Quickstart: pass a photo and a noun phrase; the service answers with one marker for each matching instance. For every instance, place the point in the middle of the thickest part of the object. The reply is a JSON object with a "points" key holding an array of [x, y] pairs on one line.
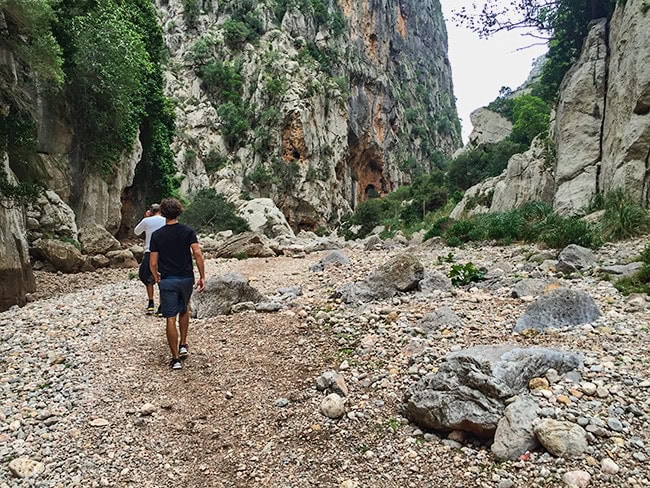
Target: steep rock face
{"points": [[16, 277], [488, 127], [339, 105], [578, 123], [528, 178], [626, 138], [601, 129]]}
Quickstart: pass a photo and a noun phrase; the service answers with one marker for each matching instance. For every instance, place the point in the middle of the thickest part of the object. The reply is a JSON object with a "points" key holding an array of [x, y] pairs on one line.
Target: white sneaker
{"points": [[183, 351], [175, 363]]}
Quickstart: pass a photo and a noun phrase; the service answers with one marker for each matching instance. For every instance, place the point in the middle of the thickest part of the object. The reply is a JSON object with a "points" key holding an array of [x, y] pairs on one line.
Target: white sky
{"points": [[482, 66]]}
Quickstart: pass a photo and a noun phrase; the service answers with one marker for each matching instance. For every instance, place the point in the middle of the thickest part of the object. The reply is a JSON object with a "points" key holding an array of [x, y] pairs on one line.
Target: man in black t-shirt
{"points": [[172, 248]]}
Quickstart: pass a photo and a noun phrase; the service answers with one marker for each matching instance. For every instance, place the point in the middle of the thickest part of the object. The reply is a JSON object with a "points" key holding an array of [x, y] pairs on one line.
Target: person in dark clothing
{"points": [[172, 248], [151, 223]]}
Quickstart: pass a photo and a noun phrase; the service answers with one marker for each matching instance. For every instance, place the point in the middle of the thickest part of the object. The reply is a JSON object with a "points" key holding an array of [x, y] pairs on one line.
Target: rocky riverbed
{"points": [[88, 398]]}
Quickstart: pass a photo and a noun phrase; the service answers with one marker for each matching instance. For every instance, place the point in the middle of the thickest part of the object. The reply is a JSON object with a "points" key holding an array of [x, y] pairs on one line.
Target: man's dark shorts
{"points": [[145, 273], [175, 293]]}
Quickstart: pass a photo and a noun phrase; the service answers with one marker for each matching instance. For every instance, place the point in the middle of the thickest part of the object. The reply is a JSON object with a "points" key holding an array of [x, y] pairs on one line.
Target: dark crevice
{"points": [[601, 145]]}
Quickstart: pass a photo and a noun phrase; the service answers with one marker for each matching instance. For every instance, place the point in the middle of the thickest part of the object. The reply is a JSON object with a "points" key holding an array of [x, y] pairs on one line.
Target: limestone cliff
{"points": [[600, 135], [339, 100]]}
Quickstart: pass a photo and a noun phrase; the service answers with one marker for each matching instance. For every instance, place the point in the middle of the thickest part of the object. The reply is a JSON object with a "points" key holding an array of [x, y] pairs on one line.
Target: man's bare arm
{"points": [[198, 257], [153, 266]]}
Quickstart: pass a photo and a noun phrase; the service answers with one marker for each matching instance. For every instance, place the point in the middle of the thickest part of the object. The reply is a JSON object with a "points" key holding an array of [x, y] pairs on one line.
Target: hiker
{"points": [[172, 249], [151, 222]]}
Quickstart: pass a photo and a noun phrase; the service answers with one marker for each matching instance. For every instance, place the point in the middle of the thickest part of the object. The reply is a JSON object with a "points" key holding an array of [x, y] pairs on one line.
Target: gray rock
{"points": [[560, 308], [62, 255], [25, 468], [515, 433], [246, 245], [435, 281], [403, 273], [97, 240], [577, 479], [562, 439], [121, 259], [332, 382], [373, 242], [470, 388], [622, 270], [333, 406], [221, 293], [440, 319], [268, 307], [533, 287], [575, 258], [335, 258]]}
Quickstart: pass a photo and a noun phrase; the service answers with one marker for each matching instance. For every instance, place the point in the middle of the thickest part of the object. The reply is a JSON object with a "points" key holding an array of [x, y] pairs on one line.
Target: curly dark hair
{"points": [[170, 208]]}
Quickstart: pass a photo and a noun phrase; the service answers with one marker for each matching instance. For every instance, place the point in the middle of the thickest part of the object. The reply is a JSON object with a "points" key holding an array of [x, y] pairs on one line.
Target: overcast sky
{"points": [[482, 66]]}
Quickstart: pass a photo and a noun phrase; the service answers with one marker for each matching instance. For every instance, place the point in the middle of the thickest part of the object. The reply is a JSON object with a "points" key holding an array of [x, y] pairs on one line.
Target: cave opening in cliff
{"points": [[371, 192]]}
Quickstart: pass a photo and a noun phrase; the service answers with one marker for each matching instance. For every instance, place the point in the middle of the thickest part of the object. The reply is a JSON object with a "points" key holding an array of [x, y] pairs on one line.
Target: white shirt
{"points": [[149, 225]]}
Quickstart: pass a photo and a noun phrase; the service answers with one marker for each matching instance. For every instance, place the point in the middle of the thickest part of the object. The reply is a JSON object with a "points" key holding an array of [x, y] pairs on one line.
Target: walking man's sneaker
{"points": [[158, 313], [175, 363], [150, 310], [183, 351]]}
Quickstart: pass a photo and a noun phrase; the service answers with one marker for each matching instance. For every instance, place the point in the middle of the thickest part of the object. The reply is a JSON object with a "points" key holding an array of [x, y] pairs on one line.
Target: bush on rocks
{"points": [[210, 212]]}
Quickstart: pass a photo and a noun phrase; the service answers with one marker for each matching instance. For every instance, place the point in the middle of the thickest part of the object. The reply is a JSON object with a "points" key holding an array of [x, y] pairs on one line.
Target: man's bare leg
{"points": [[184, 323], [150, 292], [172, 336]]}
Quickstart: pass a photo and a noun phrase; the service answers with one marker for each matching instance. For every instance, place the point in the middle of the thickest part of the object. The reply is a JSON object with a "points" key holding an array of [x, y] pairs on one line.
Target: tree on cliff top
{"points": [[563, 23]]}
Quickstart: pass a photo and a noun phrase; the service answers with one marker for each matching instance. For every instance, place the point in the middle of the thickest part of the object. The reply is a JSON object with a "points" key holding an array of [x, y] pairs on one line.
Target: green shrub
{"points": [[234, 123], [438, 228], [223, 79], [558, 232], [191, 11], [235, 33], [531, 117], [624, 217], [464, 274], [474, 166], [209, 211]]}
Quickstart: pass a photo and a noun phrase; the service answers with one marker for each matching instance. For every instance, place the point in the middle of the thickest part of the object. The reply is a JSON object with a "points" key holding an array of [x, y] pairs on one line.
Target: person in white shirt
{"points": [[151, 223]]}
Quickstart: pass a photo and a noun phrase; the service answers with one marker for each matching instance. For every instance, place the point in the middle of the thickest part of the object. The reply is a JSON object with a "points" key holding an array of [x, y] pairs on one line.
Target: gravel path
{"points": [[87, 392]]}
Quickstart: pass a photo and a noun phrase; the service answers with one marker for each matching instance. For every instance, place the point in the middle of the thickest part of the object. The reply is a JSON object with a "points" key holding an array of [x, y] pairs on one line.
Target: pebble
{"points": [[615, 424], [25, 468], [147, 409], [577, 479], [608, 466], [333, 406]]}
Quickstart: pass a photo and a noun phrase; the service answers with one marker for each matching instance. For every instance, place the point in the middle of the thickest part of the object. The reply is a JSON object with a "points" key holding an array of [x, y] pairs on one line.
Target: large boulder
{"points": [[95, 239], [469, 390], [533, 287], [562, 439], [221, 293], [335, 258], [264, 217], [515, 432], [245, 245], [435, 281], [559, 308], [439, 320], [488, 127], [403, 273], [50, 216], [575, 258], [578, 124], [65, 257]]}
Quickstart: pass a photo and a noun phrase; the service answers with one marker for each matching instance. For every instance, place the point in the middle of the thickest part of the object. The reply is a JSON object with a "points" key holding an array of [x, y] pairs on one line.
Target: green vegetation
{"points": [[319, 10], [534, 222], [409, 208], [464, 274], [209, 211], [476, 165], [640, 281], [624, 216]]}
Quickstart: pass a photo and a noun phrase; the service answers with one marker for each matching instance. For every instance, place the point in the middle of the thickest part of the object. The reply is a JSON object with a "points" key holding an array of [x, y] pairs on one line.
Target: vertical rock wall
{"points": [[376, 106], [626, 136]]}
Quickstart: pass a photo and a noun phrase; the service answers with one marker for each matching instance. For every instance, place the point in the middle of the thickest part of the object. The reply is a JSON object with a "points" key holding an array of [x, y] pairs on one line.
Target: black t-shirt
{"points": [[172, 243]]}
